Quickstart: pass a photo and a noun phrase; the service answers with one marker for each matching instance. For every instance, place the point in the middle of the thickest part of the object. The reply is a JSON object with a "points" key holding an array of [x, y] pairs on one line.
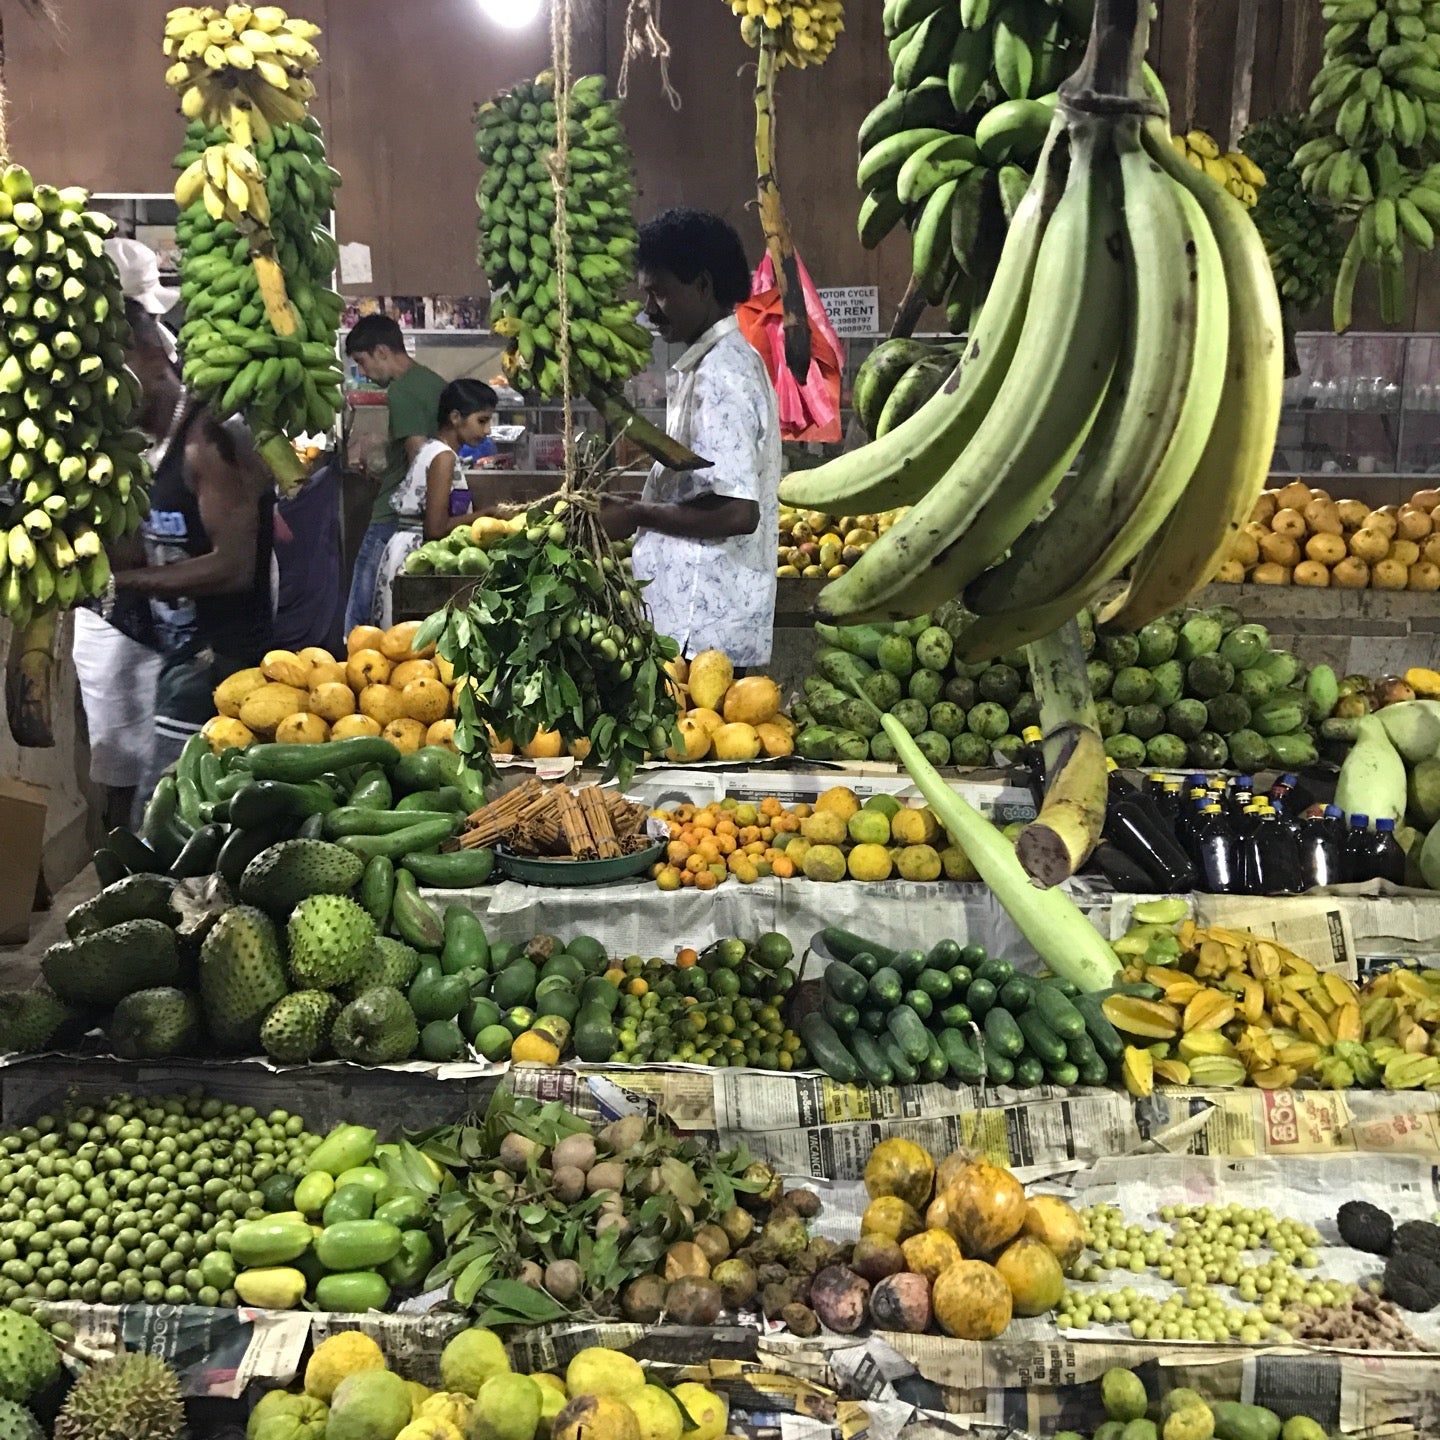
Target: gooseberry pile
{"points": [[131, 1199], [1205, 1246]]}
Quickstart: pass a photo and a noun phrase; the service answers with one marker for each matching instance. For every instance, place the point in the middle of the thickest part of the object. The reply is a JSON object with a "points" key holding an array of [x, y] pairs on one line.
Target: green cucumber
{"points": [[998, 1067], [909, 1032], [200, 852], [361, 820], [421, 836], [846, 945], [372, 791], [1017, 993], [920, 1003], [312, 827], [1138, 990], [872, 1059], [1042, 1040], [827, 1050], [937, 984], [265, 801], [943, 954], [864, 963], [1002, 1034], [953, 1016], [934, 1066], [447, 798], [845, 1018], [1081, 1049], [1058, 1012], [960, 977], [900, 1062], [908, 964], [973, 955], [845, 983], [415, 921], [966, 1063], [996, 971], [1094, 1071], [872, 1021], [886, 987], [1106, 1037], [456, 870], [980, 996], [377, 889], [1063, 1074], [1029, 1072]]}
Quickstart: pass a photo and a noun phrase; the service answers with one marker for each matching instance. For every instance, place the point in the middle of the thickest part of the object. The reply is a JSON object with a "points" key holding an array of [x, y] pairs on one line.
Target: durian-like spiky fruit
{"points": [[132, 1397]]}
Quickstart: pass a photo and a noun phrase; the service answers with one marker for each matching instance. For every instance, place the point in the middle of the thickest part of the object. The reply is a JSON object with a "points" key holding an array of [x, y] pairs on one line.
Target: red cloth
{"points": [[810, 411]]}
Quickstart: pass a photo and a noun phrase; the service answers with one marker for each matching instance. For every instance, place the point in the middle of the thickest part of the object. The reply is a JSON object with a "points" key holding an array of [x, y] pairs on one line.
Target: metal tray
{"points": [[531, 871]]}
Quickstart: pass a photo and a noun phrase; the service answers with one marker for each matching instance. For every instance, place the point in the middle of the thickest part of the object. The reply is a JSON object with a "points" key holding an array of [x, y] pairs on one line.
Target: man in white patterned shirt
{"points": [[705, 540]]}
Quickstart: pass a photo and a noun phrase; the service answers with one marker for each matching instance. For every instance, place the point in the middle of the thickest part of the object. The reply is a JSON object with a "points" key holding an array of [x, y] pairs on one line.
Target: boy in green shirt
{"points": [[412, 392]]}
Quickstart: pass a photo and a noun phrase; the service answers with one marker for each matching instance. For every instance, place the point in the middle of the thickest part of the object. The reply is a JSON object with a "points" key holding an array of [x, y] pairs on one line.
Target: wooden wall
{"points": [[399, 81]]}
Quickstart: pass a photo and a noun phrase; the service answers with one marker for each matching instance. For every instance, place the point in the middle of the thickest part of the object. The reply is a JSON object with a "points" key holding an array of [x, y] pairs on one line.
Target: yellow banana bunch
{"points": [[1237, 172], [253, 56], [806, 30]]}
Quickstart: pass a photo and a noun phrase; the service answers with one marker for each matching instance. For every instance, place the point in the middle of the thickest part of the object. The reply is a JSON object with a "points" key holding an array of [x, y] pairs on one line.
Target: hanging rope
{"points": [[559, 166], [643, 37]]}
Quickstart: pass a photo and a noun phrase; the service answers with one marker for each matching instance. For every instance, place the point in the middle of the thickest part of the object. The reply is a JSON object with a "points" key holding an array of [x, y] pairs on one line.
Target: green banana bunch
{"points": [[949, 151], [1157, 360], [1375, 126], [72, 472], [1300, 236], [897, 378], [236, 358], [515, 133]]}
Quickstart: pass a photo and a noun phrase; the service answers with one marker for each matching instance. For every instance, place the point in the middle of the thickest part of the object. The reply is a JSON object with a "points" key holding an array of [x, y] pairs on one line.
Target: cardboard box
{"points": [[22, 844]]}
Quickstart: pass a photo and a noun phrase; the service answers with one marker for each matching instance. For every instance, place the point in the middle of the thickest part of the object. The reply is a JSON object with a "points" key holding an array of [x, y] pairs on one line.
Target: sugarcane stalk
{"points": [[773, 220], [1061, 838], [618, 413], [30, 681]]}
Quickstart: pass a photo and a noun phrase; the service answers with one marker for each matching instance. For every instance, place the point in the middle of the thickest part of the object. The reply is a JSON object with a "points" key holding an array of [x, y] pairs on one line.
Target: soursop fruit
{"points": [[29, 1360], [242, 974], [136, 897], [152, 1023], [103, 967], [132, 1397], [330, 938], [283, 875], [390, 962], [377, 1029], [29, 1018], [297, 1028], [17, 1423]]}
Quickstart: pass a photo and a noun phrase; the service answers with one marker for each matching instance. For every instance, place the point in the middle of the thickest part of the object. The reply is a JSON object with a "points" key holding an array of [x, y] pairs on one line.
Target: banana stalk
{"points": [[278, 453], [620, 415], [773, 219], [30, 682], [1060, 839]]}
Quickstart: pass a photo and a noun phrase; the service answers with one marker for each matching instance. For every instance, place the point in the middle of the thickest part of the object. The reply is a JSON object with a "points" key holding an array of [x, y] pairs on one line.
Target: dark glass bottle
{"points": [[1135, 827], [1215, 851], [1355, 854], [1320, 842], [1280, 848], [1387, 858]]}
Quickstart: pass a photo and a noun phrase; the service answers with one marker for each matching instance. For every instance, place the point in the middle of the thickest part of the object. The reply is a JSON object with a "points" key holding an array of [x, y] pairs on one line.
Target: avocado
{"points": [[1133, 686], [1126, 751], [1169, 678], [1227, 713], [1157, 642], [1144, 721], [1186, 718], [968, 750], [1165, 751], [515, 984], [1001, 683], [1199, 635], [1244, 647], [1207, 751]]}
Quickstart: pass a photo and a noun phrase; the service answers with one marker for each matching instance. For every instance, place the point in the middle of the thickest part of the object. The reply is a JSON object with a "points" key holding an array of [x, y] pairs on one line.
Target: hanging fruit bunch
{"points": [[255, 193], [555, 636], [515, 136], [949, 151], [1233, 169], [804, 31], [72, 474], [1300, 236], [1375, 121], [1132, 321]]}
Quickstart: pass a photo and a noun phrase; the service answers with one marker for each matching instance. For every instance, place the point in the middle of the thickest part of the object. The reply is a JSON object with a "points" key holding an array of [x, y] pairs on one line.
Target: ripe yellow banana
{"points": [[1202, 143], [1232, 471], [191, 184], [1041, 414]]}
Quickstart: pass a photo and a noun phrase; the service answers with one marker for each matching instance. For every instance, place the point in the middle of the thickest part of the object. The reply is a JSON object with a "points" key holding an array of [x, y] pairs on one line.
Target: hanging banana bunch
{"points": [[1375, 151], [1133, 322], [255, 193], [71, 472], [1236, 171], [803, 32]]}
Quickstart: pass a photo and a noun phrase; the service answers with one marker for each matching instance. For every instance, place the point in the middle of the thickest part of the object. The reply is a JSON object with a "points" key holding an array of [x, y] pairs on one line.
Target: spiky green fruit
{"points": [[132, 1397], [29, 1360], [242, 974], [283, 875], [297, 1028], [330, 938], [377, 1029], [390, 962], [28, 1018], [151, 1023], [17, 1423]]}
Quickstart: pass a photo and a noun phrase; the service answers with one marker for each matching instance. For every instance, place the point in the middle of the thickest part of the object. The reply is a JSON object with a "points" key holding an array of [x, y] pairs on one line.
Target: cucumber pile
{"points": [[952, 1012]]}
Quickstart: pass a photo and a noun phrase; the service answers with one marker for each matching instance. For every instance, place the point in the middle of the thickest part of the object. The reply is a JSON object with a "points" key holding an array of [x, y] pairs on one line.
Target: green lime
{"points": [[774, 951], [494, 1042]]}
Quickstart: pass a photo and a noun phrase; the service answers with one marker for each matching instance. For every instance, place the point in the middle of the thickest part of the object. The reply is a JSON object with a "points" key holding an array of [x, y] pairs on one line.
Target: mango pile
{"points": [[723, 718], [814, 545]]}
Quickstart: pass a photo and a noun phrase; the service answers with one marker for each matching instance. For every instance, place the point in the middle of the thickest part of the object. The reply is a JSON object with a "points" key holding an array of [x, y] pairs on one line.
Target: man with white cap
{"points": [[116, 652]]}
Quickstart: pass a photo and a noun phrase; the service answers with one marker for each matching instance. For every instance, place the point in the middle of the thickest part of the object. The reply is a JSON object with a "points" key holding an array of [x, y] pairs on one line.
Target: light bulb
{"points": [[512, 14]]}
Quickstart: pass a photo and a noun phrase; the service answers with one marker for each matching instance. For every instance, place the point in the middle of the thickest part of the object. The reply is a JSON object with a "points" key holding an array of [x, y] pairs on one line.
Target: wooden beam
{"points": [[1243, 71]]}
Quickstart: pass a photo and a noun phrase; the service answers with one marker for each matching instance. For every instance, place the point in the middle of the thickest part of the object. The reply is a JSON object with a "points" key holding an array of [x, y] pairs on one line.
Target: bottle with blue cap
{"points": [[1355, 854]]}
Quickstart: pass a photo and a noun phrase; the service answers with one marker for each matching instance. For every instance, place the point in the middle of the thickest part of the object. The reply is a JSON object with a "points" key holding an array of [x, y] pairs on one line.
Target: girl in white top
{"points": [[422, 500]]}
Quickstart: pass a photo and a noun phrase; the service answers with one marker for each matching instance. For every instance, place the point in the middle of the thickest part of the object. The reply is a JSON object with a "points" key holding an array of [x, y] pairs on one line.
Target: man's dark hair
{"points": [[469, 397], [689, 242], [371, 333], [144, 327]]}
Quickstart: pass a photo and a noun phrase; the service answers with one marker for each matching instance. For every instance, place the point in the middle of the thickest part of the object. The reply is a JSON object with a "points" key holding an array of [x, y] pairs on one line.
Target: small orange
{"points": [[705, 880], [686, 958], [615, 976], [677, 852], [637, 987], [783, 866], [695, 863], [687, 877], [668, 878]]}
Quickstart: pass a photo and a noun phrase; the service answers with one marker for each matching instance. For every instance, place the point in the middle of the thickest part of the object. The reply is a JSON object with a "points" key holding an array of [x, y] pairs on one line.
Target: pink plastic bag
{"points": [[810, 411]]}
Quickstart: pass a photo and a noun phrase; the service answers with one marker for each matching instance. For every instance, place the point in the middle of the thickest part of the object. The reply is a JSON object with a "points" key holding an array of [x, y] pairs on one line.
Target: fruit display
{"points": [[723, 718], [1165, 353], [1233, 169], [803, 32], [1300, 535], [132, 1393], [255, 194], [955, 1246], [556, 1217], [382, 687], [515, 136], [1198, 688], [1215, 1006], [837, 838], [462, 551], [895, 379], [73, 469], [899, 1017], [950, 149], [1185, 1414], [813, 544], [1301, 237], [555, 822], [349, 1390], [596, 670], [1376, 128]]}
